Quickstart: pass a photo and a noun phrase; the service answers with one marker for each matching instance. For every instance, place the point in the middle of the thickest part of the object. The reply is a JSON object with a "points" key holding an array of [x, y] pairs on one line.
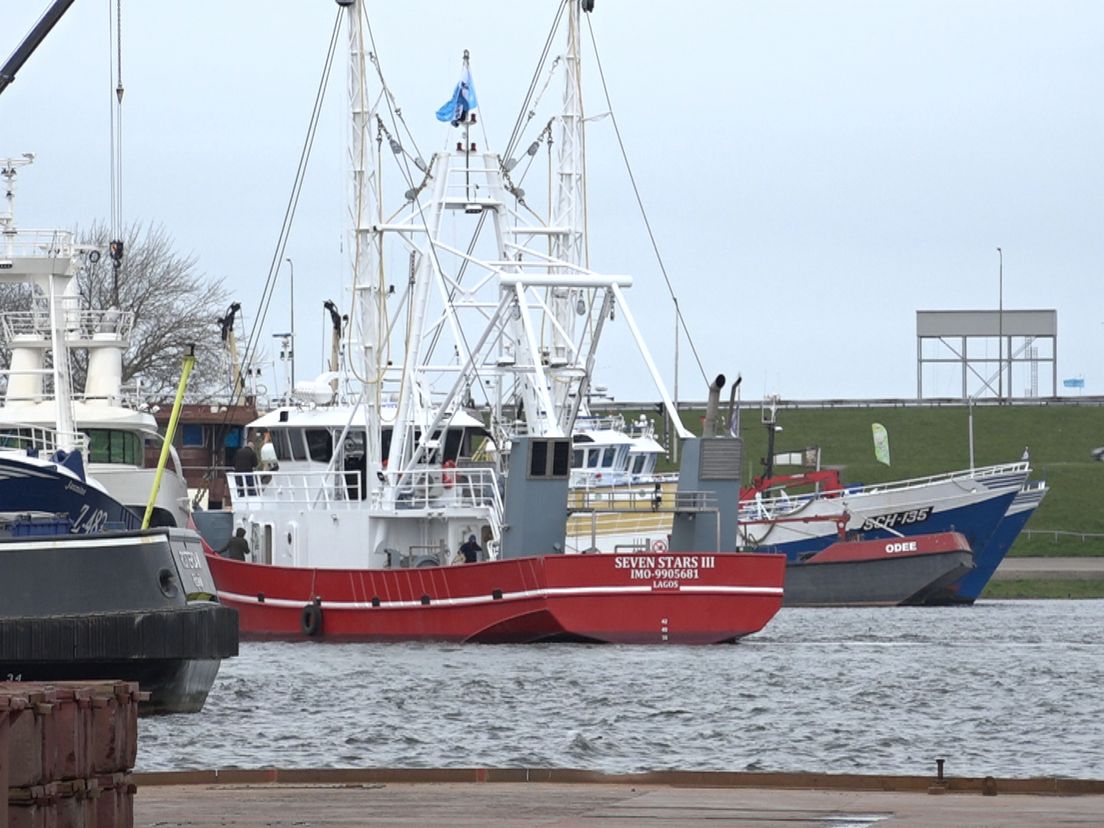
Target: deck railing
{"points": [[40, 440]]}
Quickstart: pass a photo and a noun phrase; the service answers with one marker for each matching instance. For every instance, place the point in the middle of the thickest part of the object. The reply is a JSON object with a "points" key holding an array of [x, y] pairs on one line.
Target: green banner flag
{"points": [[881, 443]]}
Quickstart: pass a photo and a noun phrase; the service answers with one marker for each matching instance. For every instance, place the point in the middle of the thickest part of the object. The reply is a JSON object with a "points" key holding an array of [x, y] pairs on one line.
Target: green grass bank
{"points": [[931, 439]]}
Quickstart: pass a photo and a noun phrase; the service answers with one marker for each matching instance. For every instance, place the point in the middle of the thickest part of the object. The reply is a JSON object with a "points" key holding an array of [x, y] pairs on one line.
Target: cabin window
{"points": [[607, 458], [296, 444], [538, 458], [319, 444], [193, 435], [106, 445], [592, 458], [453, 440], [549, 458], [561, 451], [577, 459], [638, 464]]}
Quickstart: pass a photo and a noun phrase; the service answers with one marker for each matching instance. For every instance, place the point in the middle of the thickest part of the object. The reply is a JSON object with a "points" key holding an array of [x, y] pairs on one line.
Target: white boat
{"points": [[115, 430]]}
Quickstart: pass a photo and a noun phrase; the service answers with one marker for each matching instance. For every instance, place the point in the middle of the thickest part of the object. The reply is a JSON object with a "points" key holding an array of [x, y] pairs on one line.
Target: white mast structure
{"points": [[364, 244], [47, 259], [539, 308], [568, 217]]}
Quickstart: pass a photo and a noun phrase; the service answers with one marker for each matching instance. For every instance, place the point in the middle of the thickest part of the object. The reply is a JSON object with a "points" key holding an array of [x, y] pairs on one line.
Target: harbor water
{"points": [[1003, 688]]}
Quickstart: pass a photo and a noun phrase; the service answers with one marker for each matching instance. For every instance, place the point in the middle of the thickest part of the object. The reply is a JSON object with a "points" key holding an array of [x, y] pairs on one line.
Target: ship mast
{"points": [[364, 249], [569, 206]]}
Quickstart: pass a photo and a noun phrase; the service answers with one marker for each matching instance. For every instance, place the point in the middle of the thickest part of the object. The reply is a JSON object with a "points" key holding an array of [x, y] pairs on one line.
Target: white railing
{"points": [[993, 474], [84, 325], [431, 487], [39, 440], [310, 489], [39, 243]]}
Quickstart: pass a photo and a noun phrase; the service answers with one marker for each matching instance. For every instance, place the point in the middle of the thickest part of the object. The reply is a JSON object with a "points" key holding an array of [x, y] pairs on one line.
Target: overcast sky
{"points": [[815, 172]]}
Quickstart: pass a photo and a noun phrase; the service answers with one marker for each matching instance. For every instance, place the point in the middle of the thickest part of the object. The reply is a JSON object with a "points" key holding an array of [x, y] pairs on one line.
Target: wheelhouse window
{"points": [[319, 444], [108, 445]]}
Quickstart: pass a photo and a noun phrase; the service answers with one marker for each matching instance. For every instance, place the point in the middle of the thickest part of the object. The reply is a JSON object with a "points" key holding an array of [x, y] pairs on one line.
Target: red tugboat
{"points": [[380, 471]]}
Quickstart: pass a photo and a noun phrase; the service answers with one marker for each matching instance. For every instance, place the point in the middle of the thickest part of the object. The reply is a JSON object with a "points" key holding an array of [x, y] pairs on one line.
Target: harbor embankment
{"points": [[516, 797], [1042, 568]]}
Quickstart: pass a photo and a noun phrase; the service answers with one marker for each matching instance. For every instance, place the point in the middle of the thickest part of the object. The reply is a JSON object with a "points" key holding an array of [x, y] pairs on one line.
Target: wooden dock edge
{"points": [[1056, 786]]}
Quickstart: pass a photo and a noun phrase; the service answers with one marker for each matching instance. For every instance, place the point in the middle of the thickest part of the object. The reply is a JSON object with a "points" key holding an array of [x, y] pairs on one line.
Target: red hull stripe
{"points": [[524, 595]]}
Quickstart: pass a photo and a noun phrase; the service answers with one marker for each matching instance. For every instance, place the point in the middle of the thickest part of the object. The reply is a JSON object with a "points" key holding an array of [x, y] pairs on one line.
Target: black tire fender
{"points": [[310, 620]]}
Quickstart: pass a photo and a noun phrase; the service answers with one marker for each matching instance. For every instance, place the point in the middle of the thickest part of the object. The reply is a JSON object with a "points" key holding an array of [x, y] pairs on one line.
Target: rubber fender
{"points": [[310, 620]]}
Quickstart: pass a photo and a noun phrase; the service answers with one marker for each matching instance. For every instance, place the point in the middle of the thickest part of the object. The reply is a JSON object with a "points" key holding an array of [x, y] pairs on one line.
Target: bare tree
{"points": [[174, 306]]}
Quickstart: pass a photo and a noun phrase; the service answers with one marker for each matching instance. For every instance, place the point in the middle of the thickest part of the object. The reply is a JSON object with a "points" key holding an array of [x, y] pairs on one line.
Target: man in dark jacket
{"points": [[471, 550], [237, 547], [245, 461]]}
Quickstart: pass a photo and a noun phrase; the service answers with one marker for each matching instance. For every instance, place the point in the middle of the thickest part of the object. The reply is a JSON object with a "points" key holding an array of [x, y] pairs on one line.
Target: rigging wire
{"points": [[519, 124], [640, 202], [115, 70]]}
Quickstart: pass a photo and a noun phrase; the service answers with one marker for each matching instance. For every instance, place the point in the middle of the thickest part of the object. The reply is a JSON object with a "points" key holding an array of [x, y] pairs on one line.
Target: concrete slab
{"points": [[493, 804]]}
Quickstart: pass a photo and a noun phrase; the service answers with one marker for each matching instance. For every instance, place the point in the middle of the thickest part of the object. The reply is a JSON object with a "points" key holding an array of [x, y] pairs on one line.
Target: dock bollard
{"points": [[940, 784]]}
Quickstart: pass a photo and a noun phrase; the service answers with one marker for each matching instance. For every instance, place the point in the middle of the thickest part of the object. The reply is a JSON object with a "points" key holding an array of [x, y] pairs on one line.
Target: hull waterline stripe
{"points": [[88, 541], [529, 594]]}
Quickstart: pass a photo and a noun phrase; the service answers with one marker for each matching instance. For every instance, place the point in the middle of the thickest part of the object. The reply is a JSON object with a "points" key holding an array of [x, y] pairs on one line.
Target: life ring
{"points": [[448, 478], [310, 620]]}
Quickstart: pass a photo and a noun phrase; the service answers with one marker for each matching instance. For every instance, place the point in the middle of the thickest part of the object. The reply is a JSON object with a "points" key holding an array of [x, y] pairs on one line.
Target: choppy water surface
{"points": [[1008, 688]]}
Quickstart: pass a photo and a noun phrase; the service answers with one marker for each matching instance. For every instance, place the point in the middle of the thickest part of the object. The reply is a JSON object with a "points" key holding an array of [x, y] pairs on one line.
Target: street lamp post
{"points": [[1000, 332], [292, 265]]}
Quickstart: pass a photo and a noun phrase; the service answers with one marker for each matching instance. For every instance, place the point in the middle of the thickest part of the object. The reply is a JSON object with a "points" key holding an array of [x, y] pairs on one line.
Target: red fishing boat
{"points": [[621, 599], [446, 413]]}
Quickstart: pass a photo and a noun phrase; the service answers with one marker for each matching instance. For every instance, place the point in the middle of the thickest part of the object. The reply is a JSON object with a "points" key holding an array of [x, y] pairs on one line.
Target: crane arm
{"points": [[32, 41]]}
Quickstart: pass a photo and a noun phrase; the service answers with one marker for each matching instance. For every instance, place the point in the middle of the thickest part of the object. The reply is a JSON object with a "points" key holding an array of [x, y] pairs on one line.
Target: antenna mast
{"points": [[364, 247]]}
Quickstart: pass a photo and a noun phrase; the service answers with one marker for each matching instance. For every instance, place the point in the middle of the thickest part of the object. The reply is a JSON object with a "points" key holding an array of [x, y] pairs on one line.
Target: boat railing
{"points": [[1003, 474], [435, 487], [622, 497], [704, 501], [39, 244], [39, 440], [87, 326], [607, 422], [311, 489]]}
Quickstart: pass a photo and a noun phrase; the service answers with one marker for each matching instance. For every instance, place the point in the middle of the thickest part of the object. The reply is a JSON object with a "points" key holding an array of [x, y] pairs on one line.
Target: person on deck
{"points": [[245, 462], [237, 548], [471, 550]]}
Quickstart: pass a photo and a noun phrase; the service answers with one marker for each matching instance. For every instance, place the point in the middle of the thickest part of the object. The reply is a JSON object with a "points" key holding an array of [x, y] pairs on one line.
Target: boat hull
{"points": [[134, 606], [623, 599], [878, 573], [968, 588], [27, 486]]}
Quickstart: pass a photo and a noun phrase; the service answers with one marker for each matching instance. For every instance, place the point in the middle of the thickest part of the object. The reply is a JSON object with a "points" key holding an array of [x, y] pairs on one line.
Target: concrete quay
{"points": [[518, 797]]}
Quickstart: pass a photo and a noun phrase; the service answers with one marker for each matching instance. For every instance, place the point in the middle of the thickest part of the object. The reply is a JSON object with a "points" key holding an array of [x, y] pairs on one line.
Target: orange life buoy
{"points": [[447, 477]]}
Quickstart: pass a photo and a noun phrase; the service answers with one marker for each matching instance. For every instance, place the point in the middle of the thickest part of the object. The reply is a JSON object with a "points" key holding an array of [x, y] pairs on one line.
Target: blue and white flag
{"points": [[1074, 382], [462, 101]]}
